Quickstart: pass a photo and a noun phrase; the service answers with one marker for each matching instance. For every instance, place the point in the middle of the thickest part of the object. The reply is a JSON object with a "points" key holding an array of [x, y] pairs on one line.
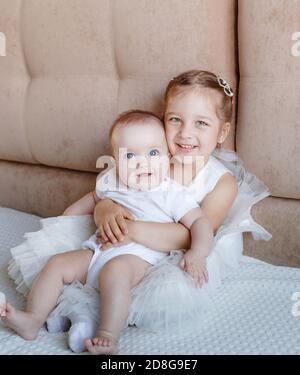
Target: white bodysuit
{"points": [[166, 203]]}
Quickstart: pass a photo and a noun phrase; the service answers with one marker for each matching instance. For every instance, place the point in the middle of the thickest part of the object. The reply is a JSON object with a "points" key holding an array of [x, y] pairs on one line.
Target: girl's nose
{"points": [[185, 131]]}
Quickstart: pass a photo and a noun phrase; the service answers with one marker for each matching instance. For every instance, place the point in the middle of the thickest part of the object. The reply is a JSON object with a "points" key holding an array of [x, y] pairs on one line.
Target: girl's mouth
{"points": [[185, 148]]}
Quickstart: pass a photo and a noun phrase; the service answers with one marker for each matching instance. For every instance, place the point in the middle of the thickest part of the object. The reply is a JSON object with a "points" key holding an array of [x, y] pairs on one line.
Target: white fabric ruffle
{"points": [[76, 297], [167, 298], [57, 235], [251, 190]]}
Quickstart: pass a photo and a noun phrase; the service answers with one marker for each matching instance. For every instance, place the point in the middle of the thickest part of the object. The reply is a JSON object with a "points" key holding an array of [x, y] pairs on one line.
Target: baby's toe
{"points": [[106, 342]]}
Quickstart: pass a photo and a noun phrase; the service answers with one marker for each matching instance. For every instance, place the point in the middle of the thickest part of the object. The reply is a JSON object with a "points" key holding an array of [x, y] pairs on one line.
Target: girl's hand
{"points": [[111, 224], [194, 263], [109, 245]]}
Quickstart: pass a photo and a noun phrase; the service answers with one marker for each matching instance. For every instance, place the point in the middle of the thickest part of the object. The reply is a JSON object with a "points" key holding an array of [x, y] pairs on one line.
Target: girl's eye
{"points": [[129, 155], [174, 120], [154, 153], [201, 123]]}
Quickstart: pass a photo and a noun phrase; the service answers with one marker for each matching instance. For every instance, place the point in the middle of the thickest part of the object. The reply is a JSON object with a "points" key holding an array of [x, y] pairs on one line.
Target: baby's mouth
{"points": [[145, 174]]}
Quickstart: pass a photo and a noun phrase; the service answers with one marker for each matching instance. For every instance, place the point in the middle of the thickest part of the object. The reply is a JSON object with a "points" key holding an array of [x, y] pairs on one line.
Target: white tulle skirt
{"points": [[57, 235], [166, 298]]}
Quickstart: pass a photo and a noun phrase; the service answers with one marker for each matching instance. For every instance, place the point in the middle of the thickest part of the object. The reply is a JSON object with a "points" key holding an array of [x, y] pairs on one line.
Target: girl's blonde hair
{"points": [[199, 79]]}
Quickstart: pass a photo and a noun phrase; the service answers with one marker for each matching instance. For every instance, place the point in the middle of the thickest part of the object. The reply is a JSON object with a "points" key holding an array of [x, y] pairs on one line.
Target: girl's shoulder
{"points": [[211, 173], [214, 173], [217, 167]]}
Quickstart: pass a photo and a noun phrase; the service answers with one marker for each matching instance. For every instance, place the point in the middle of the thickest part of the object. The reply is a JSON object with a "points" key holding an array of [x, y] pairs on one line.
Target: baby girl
{"points": [[140, 183]]}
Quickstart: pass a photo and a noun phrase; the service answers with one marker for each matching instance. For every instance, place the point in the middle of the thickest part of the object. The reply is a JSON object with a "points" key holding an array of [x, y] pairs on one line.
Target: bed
{"points": [[255, 311]]}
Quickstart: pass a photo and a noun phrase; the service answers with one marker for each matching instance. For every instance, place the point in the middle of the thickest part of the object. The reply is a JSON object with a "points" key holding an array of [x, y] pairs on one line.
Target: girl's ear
{"points": [[224, 132]]}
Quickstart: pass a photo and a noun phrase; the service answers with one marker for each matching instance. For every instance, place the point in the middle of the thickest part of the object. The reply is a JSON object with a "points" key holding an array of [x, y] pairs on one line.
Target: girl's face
{"points": [[192, 125]]}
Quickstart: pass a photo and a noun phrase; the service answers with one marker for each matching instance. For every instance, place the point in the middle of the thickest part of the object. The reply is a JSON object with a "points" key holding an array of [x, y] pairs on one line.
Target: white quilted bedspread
{"points": [[252, 310]]}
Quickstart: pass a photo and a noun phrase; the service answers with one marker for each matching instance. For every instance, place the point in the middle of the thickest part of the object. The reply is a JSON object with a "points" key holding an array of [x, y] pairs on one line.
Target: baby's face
{"points": [[141, 154]]}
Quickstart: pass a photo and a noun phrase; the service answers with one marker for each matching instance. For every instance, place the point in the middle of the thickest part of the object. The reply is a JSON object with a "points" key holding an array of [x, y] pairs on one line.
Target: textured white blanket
{"points": [[252, 310]]}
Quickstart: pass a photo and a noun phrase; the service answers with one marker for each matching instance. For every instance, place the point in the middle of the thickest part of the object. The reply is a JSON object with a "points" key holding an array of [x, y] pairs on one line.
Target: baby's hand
{"points": [[2, 304], [111, 224], [194, 263]]}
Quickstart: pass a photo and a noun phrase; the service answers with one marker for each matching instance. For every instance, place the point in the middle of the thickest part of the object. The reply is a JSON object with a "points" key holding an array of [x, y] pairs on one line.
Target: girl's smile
{"points": [[185, 147], [192, 125]]}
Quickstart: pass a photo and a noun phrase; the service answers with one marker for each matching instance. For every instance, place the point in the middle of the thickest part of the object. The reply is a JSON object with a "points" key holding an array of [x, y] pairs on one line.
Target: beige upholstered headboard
{"points": [[72, 66]]}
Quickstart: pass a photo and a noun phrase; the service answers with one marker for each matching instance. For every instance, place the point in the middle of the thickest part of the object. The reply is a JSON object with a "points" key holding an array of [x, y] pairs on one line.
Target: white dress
{"points": [[166, 298]]}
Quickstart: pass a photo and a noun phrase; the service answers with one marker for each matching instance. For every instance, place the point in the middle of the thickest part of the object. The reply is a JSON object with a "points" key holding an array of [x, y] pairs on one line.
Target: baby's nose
{"points": [[141, 161]]}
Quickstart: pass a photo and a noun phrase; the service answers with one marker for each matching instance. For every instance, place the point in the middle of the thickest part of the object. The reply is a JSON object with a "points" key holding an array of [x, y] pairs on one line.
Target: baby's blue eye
{"points": [[201, 123], [154, 153], [129, 155]]}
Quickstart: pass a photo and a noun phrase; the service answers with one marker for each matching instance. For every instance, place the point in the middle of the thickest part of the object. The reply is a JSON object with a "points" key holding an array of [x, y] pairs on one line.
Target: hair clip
{"points": [[227, 89]]}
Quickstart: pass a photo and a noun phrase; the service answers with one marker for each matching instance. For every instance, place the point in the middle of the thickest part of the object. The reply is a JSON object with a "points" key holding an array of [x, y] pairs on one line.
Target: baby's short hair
{"points": [[132, 117]]}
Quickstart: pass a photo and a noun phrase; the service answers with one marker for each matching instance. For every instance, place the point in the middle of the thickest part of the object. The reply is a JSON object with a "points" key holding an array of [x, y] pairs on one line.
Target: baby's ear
{"points": [[105, 160]]}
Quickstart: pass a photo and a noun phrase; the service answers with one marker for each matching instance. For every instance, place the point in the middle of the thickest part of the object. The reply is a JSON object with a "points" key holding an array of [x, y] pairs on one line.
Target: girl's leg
{"points": [[59, 270], [116, 280]]}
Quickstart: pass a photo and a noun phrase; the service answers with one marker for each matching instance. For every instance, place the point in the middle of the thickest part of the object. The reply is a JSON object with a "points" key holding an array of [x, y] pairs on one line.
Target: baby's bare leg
{"points": [[59, 270], [116, 280]]}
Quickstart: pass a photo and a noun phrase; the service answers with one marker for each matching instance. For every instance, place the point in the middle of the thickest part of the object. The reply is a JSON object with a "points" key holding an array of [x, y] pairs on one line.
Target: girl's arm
{"points": [[109, 218], [172, 236], [160, 236], [116, 225], [84, 206], [217, 204]]}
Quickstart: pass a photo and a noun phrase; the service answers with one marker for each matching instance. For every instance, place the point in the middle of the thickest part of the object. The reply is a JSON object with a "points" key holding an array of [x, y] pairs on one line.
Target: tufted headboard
{"points": [[72, 66]]}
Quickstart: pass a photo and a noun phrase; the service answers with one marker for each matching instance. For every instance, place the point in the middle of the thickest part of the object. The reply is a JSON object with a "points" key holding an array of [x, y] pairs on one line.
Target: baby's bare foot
{"points": [[23, 323], [103, 344]]}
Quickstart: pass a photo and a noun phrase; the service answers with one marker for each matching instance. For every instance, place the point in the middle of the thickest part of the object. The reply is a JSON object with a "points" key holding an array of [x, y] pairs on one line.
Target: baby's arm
{"points": [[84, 206]]}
